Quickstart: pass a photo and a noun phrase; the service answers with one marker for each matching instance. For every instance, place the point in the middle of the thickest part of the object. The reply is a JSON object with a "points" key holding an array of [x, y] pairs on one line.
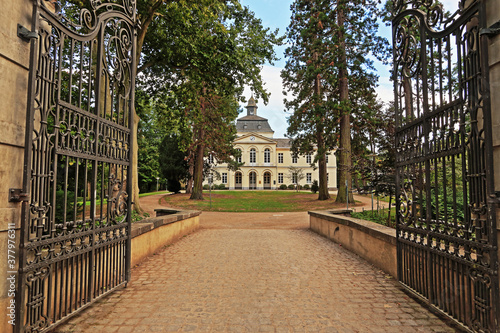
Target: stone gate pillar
{"points": [[14, 64]]}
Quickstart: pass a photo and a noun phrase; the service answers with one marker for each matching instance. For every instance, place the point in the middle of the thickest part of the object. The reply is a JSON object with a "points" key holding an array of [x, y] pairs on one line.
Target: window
{"points": [[224, 178], [238, 178], [280, 157], [308, 159], [326, 156], [238, 159], [327, 177], [253, 156], [267, 155], [309, 178], [295, 159], [280, 178], [294, 178], [211, 159], [267, 178]]}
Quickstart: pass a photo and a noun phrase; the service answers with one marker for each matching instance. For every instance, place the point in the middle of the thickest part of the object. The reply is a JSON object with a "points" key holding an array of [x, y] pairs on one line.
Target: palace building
{"points": [[267, 159]]}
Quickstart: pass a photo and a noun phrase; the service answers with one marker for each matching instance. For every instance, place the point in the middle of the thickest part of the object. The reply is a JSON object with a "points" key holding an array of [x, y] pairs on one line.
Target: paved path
{"points": [[234, 276]]}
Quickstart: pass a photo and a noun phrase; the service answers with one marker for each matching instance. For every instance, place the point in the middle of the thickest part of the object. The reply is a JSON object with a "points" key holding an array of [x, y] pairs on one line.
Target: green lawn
{"points": [[152, 193], [252, 201]]}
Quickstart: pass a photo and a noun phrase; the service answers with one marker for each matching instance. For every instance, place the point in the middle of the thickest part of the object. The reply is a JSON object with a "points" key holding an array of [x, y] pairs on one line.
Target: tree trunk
{"points": [[197, 193], [345, 159], [323, 181], [323, 193], [189, 184]]}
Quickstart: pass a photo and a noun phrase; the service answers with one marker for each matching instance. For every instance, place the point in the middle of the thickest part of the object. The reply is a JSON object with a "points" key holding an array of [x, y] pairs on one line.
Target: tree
{"points": [[307, 78], [330, 43], [219, 48], [296, 174]]}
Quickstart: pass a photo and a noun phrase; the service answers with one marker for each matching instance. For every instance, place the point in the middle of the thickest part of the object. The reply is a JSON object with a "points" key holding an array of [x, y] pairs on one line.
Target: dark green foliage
{"points": [[173, 185], [306, 187], [314, 186], [380, 217], [283, 187], [149, 137], [222, 187], [173, 165], [70, 205], [291, 186]]}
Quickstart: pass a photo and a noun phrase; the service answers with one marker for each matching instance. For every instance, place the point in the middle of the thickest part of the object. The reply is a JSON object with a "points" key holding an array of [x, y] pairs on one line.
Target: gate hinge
{"points": [[26, 34], [17, 195], [493, 30]]}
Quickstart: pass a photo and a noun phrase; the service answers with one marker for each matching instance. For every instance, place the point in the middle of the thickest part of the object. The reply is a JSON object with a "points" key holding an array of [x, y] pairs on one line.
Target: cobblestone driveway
{"points": [[256, 280]]}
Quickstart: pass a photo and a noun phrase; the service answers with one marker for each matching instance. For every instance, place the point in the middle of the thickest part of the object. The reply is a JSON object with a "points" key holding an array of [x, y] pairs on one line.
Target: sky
{"points": [[276, 14]]}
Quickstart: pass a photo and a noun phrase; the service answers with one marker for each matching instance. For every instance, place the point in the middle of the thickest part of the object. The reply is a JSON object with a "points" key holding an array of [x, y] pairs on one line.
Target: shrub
{"points": [[222, 187], [306, 187], [283, 187], [291, 187], [205, 187], [173, 185], [315, 187]]}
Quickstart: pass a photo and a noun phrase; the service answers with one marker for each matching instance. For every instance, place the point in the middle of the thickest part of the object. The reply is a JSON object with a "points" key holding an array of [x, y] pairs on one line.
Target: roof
{"points": [[283, 143], [253, 124], [251, 102]]}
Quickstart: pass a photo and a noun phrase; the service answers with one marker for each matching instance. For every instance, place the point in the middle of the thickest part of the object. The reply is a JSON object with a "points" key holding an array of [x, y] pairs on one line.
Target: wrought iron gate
{"points": [[446, 233], [75, 228]]}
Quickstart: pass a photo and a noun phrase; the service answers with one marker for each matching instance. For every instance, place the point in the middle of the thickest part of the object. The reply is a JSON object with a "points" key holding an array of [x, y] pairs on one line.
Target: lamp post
{"points": [[372, 155], [210, 180], [157, 179]]}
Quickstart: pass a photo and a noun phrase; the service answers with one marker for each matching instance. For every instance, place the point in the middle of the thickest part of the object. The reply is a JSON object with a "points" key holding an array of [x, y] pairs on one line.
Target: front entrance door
{"points": [[252, 180]]}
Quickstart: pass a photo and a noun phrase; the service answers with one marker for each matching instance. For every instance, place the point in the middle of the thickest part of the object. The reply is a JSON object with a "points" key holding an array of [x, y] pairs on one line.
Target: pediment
{"points": [[253, 138]]}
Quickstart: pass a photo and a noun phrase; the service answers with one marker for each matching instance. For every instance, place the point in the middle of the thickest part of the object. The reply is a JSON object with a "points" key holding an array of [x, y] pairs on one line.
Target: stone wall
{"points": [[152, 234], [14, 64], [371, 241]]}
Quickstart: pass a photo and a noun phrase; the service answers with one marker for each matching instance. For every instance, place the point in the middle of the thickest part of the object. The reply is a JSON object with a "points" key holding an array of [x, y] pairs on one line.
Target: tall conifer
{"points": [[329, 45]]}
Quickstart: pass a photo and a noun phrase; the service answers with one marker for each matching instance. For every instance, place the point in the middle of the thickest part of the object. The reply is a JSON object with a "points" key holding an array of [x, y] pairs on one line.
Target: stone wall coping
{"points": [[150, 223], [373, 229]]}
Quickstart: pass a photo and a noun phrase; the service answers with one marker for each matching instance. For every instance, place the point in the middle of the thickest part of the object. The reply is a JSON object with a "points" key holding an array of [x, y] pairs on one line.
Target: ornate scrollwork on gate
{"points": [[445, 226], [76, 226]]}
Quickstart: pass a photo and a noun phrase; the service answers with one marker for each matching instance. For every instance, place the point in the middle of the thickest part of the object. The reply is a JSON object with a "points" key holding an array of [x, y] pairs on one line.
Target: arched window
{"points": [[253, 156], [238, 159], [267, 155]]}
